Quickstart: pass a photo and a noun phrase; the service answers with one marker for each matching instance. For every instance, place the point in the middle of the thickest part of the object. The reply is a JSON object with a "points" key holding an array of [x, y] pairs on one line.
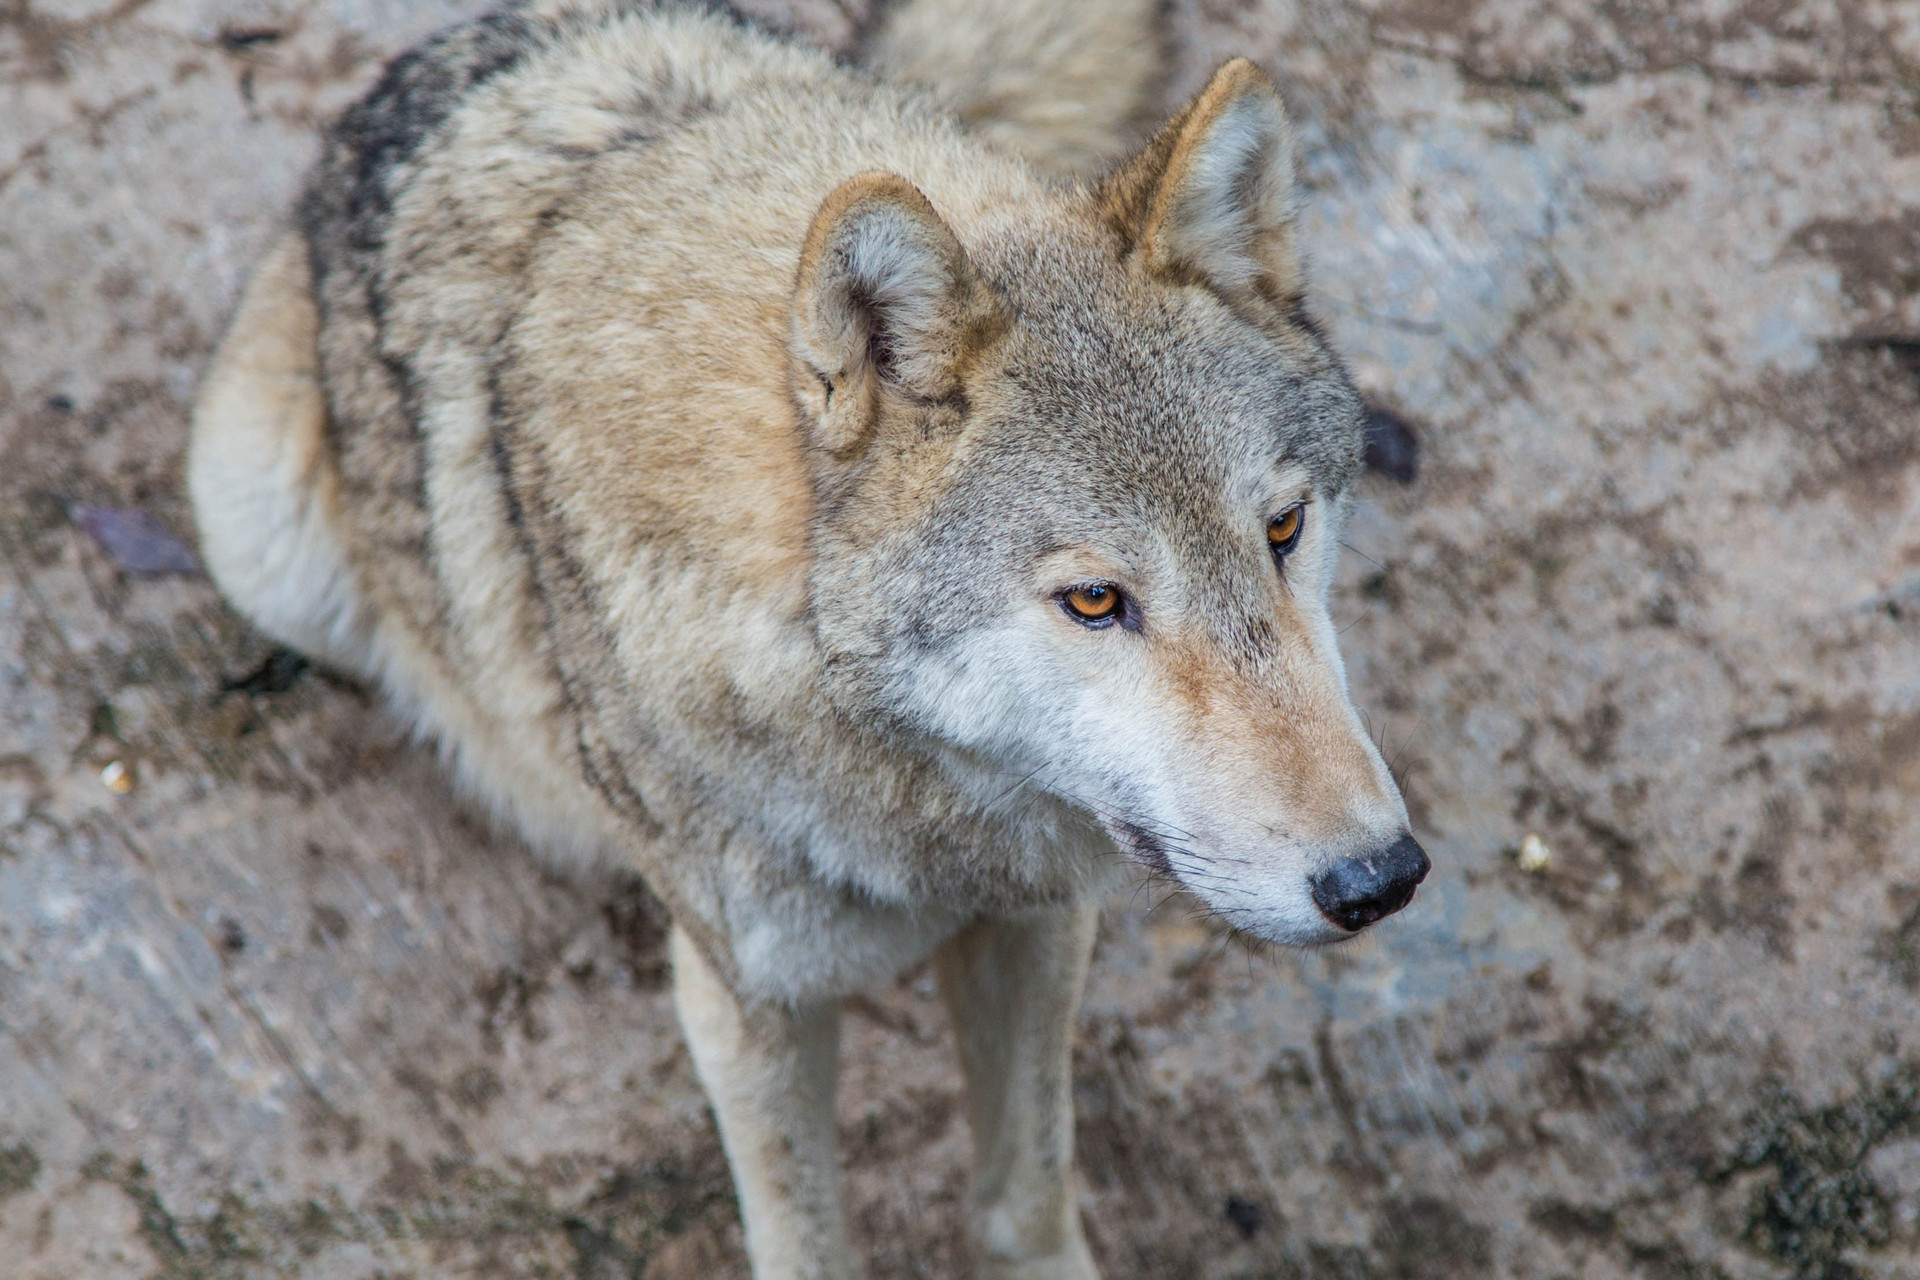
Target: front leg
{"points": [[769, 1072], [1013, 986]]}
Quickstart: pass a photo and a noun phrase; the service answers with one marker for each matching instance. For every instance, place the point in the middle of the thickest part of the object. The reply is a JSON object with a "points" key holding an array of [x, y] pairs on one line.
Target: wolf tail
{"points": [[1069, 84]]}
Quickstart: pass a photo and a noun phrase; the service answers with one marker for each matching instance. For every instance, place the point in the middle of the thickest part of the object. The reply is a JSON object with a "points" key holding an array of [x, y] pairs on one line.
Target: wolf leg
{"points": [[1013, 984], [769, 1072]]}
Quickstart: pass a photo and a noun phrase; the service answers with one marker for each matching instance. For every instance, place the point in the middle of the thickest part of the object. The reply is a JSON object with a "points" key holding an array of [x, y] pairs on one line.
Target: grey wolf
{"points": [[752, 474]]}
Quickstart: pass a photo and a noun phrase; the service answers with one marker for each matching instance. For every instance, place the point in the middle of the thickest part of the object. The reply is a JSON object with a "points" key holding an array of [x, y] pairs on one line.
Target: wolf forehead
{"points": [[1161, 394]]}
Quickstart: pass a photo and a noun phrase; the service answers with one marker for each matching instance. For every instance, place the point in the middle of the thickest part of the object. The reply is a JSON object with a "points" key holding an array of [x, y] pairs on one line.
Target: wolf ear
{"points": [[1210, 199], [887, 303]]}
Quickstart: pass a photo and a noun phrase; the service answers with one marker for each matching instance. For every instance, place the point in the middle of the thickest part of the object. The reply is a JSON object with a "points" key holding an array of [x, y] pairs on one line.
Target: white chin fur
{"points": [[1290, 925], [1273, 914]]}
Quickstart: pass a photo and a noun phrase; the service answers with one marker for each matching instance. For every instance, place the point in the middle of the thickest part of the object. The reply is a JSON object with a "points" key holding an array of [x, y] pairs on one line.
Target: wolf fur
{"points": [[1066, 86], [700, 439]]}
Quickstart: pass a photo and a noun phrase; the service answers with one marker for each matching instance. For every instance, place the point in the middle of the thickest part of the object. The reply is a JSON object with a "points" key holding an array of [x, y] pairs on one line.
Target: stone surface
{"points": [[1645, 279]]}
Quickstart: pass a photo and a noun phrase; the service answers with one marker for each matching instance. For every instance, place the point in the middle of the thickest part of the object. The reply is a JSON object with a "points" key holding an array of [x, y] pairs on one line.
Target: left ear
{"points": [[887, 304], [1210, 199]]}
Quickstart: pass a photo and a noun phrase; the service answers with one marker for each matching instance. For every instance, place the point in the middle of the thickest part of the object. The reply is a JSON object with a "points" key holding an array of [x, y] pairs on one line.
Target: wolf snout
{"points": [[1355, 892]]}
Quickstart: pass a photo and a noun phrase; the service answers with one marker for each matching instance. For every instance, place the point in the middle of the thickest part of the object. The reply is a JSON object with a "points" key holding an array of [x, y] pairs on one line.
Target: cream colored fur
{"points": [[261, 482], [1064, 83], [768, 1070]]}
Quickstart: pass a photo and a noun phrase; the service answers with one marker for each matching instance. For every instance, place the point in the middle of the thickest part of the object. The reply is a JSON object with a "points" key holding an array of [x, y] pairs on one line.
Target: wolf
{"points": [[777, 474]]}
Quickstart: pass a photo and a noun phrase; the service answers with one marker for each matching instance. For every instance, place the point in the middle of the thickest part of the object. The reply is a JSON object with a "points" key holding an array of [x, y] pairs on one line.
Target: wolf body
{"points": [[754, 476]]}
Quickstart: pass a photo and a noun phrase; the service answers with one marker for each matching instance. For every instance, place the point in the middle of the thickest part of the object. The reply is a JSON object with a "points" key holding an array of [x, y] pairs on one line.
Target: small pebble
{"points": [[1534, 854], [1392, 448], [117, 778], [134, 540], [1245, 1215], [237, 39]]}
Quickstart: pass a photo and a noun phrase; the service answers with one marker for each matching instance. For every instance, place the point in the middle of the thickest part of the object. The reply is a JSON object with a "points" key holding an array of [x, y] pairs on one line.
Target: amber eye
{"points": [[1095, 602], [1283, 531]]}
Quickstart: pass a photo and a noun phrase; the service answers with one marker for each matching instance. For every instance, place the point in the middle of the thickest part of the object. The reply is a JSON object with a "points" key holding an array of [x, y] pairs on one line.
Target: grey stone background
{"points": [[1646, 277]]}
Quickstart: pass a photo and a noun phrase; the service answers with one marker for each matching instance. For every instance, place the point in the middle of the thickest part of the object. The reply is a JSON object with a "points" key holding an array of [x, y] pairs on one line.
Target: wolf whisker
{"points": [[1364, 556]]}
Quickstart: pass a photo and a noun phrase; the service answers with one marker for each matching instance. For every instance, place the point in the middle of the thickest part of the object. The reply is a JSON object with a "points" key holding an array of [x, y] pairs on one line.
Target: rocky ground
{"points": [[1645, 278]]}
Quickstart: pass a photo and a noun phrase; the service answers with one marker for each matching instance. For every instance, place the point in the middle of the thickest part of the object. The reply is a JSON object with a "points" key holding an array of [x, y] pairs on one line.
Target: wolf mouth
{"points": [[1161, 854], [1143, 845], [1352, 895]]}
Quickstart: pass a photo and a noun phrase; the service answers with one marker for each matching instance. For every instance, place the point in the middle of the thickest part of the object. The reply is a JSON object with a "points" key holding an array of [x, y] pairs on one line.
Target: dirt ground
{"points": [[1645, 277]]}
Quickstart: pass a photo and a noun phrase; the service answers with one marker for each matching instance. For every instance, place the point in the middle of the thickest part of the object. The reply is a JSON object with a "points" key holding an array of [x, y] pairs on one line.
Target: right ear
{"points": [[887, 304]]}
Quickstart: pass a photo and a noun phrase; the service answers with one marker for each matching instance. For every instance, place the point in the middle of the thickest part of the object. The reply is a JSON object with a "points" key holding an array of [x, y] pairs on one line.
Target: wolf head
{"points": [[1081, 483]]}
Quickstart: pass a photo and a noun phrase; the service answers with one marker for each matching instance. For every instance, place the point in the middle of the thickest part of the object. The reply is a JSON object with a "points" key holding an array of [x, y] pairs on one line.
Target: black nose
{"points": [[1355, 892]]}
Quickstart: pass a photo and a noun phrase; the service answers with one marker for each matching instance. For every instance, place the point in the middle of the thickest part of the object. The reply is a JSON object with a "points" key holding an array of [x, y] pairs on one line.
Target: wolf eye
{"points": [[1095, 603], [1283, 531]]}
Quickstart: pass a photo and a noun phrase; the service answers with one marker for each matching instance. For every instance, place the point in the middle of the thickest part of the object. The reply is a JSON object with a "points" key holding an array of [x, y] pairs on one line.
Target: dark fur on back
{"points": [[369, 160], [345, 216]]}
